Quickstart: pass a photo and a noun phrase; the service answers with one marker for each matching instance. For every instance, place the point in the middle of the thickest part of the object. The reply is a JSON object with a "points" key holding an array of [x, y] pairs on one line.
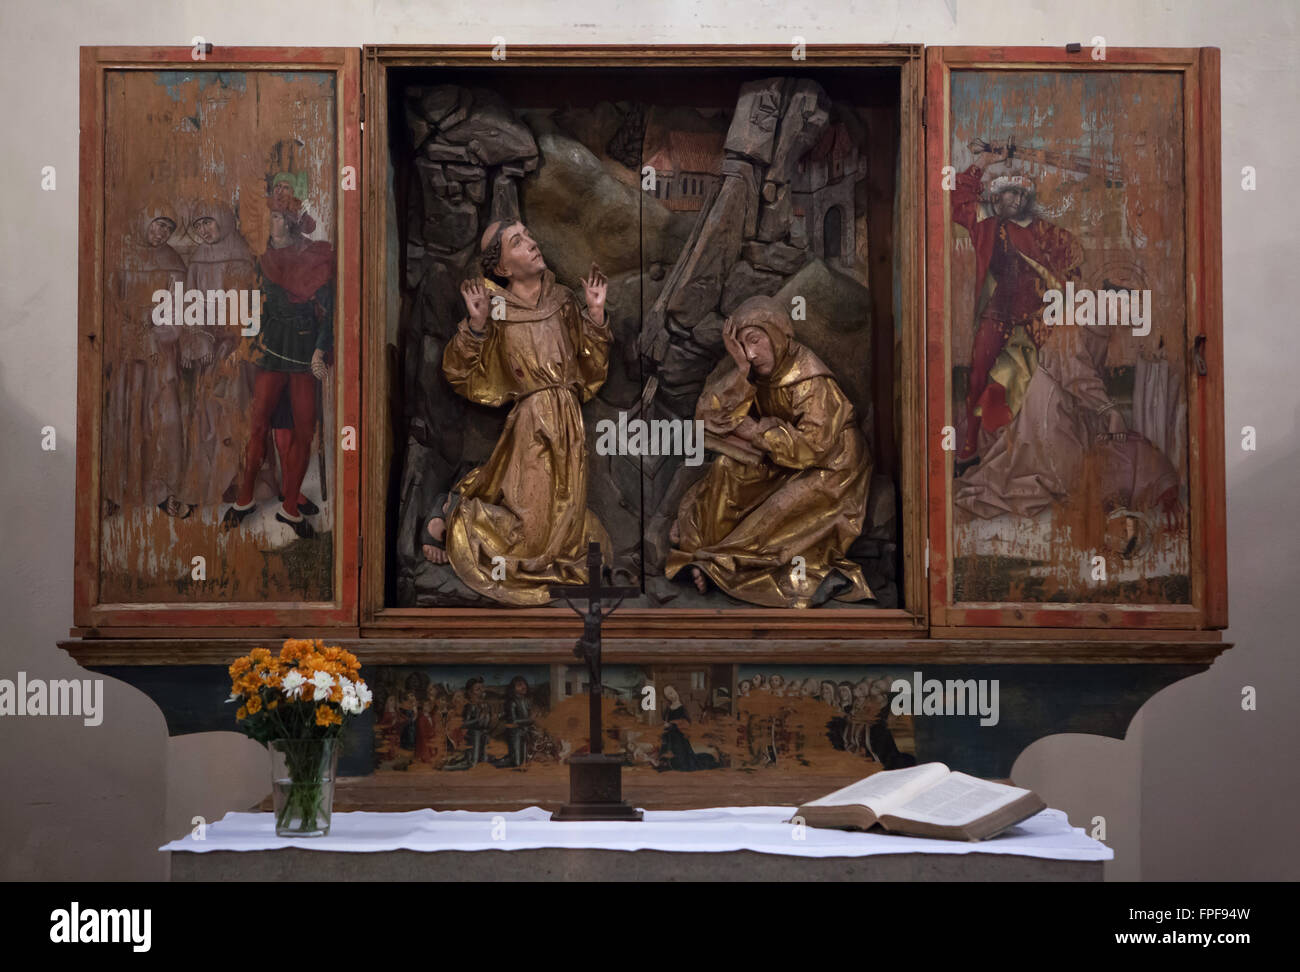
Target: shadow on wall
{"points": [[1090, 777], [210, 774], [1209, 766], [80, 802]]}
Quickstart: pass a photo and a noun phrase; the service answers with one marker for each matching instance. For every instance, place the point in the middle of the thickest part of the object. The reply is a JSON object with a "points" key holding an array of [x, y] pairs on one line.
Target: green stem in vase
{"points": [[305, 761]]}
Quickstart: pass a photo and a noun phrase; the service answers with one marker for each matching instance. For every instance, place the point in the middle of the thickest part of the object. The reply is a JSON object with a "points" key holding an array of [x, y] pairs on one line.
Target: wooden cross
{"points": [[588, 646]]}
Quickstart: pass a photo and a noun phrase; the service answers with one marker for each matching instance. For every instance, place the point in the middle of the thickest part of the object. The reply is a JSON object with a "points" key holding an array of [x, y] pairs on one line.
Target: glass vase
{"points": [[302, 785]]}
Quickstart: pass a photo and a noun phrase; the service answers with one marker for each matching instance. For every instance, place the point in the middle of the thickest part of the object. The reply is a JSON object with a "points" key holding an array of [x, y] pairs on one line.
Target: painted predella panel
{"points": [[725, 721], [1068, 338], [220, 270], [643, 321]]}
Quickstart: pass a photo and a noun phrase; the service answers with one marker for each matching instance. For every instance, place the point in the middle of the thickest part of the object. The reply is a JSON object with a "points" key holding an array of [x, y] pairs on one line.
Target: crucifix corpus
{"points": [[595, 779]]}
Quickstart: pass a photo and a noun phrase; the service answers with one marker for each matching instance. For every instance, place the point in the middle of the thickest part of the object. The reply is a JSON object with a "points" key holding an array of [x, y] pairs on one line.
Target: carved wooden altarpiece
{"points": [[915, 206]]}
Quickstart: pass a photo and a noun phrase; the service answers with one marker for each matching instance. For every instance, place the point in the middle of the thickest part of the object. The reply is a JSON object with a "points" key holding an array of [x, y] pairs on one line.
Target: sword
{"points": [[320, 441]]}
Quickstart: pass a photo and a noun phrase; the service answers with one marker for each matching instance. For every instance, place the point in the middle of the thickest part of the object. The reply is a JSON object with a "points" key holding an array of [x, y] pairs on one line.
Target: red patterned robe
{"points": [[1016, 262]]}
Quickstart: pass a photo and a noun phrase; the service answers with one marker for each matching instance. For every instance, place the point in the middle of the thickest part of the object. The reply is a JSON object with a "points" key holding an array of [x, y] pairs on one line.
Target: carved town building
{"points": [[686, 168], [822, 185]]}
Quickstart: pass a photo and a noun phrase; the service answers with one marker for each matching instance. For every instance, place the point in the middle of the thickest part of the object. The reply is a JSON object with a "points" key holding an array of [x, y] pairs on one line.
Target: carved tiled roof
{"points": [[689, 152]]}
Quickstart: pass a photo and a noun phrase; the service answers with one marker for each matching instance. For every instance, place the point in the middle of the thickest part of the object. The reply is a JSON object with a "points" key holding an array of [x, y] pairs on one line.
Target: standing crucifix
{"points": [[595, 781]]}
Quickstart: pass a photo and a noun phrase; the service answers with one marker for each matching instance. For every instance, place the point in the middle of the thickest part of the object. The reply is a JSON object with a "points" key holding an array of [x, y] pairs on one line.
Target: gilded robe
{"points": [[528, 503], [804, 496]]}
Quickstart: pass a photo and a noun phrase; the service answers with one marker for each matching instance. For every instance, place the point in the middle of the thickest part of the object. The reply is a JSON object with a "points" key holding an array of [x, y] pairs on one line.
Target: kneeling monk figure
{"points": [[771, 520], [520, 522]]}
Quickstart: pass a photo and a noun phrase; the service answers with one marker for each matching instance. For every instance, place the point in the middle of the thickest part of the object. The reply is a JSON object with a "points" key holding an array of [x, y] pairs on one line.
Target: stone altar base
{"points": [[568, 864]]}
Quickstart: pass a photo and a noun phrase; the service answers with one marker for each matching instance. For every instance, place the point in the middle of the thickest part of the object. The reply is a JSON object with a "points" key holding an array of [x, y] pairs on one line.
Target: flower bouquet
{"points": [[295, 705]]}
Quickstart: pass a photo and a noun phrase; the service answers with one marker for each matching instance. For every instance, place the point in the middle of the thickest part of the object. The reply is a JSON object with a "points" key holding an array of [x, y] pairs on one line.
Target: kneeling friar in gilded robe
{"points": [[520, 521], [776, 512]]}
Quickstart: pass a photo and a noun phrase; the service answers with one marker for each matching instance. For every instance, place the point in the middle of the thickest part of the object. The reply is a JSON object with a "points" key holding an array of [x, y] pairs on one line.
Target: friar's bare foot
{"points": [[435, 531], [701, 582]]}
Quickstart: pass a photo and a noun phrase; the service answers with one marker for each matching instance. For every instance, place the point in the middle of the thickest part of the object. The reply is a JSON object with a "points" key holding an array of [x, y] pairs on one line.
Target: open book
{"points": [[924, 801]]}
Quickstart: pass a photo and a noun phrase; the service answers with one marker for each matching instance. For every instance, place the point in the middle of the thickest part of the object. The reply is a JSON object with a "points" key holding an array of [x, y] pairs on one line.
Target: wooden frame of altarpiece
{"points": [[1194, 76], [94, 612], [1057, 645], [645, 626]]}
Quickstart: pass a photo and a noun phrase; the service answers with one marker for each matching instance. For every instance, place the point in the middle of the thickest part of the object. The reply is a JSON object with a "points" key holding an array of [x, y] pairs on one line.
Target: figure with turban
{"points": [[1019, 256], [290, 355]]}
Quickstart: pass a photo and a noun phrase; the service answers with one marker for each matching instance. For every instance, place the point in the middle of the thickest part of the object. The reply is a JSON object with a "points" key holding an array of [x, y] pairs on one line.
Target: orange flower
{"points": [[273, 703], [326, 716], [254, 704], [294, 649], [242, 713]]}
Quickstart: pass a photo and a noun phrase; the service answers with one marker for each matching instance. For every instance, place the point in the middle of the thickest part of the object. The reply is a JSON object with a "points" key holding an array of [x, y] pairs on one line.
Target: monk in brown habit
{"points": [[143, 426], [222, 386], [520, 522], [774, 515]]}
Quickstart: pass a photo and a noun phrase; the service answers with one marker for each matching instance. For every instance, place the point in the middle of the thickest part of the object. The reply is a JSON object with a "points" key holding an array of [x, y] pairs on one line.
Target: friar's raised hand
{"points": [[731, 341], [595, 288], [476, 302]]}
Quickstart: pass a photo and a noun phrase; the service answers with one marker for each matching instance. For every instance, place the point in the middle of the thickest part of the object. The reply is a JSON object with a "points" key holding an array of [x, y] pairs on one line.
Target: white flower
{"points": [[234, 696], [293, 683], [323, 681], [349, 703], [363, 694]]}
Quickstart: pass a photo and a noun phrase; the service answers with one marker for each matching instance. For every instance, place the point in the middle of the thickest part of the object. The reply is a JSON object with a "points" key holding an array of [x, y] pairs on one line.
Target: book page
{"points": [[884, 789], [957, 800]]}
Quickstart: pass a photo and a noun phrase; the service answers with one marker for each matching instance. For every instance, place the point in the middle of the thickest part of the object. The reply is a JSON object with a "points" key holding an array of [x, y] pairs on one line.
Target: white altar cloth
{"points": [[1048, 834]]}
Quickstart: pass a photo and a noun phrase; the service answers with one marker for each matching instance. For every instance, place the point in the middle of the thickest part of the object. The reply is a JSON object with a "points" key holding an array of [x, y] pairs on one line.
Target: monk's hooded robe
{"points": [[222, 387], [805, 496], [528, 503], [143, 439]]}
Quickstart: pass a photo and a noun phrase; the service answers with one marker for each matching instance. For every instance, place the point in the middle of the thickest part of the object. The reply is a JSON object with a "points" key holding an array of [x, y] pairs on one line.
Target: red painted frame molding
{"points": [[88, 611], [1199, 68]]}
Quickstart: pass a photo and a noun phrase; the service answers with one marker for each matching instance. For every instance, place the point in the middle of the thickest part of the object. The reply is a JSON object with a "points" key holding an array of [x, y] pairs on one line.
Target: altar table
{"points": [[719, 844]]}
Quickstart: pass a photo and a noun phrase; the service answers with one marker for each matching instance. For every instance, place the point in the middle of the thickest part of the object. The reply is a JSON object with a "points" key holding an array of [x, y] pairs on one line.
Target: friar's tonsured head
{"points": [[509, 252]]}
